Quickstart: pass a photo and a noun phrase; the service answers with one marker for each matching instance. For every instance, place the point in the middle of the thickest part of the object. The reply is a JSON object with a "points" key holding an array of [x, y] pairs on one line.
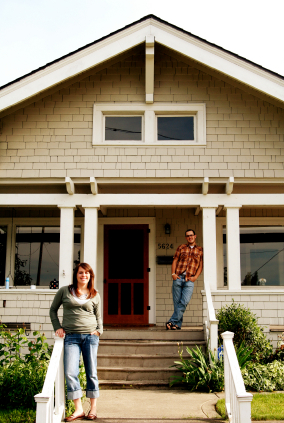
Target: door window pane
{"points": [[262, 256], [125, 298], [123, 128], [125, 254], [138, 298], [37, 254], [178, 128], [113, 298], [3, 246]]}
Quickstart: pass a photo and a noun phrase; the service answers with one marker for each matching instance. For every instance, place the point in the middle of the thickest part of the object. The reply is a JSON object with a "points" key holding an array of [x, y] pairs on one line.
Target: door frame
{"points": [[151, 221]]}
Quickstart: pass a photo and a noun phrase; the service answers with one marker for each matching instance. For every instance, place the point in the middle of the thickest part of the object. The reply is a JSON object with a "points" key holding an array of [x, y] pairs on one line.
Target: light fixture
{"points": [[167, 229]]}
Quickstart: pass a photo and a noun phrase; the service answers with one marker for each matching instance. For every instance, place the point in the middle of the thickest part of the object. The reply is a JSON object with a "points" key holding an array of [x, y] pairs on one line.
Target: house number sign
{"points": [[165, 246]]}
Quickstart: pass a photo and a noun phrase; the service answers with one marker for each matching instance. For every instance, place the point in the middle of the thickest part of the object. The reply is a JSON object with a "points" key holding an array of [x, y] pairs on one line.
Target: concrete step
{"points": [[145, 346], [136, 373], [193, 333], [137, 360], [136, 384]]}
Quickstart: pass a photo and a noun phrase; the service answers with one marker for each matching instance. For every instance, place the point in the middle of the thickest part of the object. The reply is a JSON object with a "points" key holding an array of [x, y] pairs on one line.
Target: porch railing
{"points": [[50, 403], [237, 400], [211, 324]]}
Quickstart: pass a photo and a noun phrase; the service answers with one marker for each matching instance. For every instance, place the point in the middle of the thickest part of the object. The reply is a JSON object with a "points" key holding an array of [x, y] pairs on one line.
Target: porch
{"points": [[209, 207]]}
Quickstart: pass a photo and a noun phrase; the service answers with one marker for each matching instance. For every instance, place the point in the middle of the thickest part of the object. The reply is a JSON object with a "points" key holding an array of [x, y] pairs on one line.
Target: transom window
{"points": [[161, 124]]}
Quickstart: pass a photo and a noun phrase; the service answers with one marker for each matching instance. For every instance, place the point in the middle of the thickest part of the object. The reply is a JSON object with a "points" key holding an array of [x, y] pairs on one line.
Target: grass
{"points": [[17, 416], [263, 407]]}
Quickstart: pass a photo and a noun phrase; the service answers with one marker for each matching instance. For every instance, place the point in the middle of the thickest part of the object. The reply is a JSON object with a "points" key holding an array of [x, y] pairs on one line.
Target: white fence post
{"points": [[46, 412], [237, 400]]}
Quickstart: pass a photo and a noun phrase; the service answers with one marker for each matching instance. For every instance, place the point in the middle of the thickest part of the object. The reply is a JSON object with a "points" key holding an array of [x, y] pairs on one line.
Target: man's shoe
{"points": [[72, 417]]}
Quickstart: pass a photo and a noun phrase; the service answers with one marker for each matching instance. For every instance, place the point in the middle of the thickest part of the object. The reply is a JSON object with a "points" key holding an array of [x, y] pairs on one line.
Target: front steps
{"points": [[141, 357]]}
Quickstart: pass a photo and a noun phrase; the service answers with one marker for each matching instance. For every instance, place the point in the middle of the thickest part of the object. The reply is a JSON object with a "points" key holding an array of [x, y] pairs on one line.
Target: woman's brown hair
{"points": [[91, 283]]}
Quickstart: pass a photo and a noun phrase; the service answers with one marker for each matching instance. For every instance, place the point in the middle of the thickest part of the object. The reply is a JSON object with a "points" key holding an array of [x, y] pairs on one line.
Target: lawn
{"points": [[264, 406]]}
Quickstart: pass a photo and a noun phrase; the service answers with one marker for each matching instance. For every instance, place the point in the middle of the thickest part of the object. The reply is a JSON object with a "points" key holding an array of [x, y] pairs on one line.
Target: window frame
{"points": [[243, 221], [149, 113], [27, 222]]}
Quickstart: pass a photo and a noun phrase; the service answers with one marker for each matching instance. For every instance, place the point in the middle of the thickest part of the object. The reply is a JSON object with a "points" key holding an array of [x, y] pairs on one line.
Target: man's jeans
{"points": [[182, 292], [74, 344]]}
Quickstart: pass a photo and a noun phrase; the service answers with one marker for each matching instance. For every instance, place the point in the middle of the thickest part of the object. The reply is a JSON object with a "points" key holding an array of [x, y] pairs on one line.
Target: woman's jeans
{"points": [[182, 291], [74, 344]]}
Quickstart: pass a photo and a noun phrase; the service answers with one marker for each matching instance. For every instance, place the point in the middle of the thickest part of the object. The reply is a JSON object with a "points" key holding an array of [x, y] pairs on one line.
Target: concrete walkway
{"points": [[165, 406], [157, 406]]}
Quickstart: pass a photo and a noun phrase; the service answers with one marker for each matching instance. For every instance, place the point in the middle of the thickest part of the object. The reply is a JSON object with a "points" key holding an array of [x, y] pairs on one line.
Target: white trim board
{"points": [[142, 200], [128, 38], [151, 221]]}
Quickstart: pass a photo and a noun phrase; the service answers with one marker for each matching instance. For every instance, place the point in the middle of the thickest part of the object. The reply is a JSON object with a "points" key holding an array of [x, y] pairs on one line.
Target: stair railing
{"points": [[237, 400], [211, 324], [50, 403]]}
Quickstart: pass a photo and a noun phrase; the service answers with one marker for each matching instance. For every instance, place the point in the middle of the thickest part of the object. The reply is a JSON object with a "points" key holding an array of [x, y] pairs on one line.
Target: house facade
{"points": [[110, 153]]}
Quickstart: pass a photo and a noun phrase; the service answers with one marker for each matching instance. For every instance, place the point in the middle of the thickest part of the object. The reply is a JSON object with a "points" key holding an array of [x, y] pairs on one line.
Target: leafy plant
{"points": [[201, 371], [244, 355], [264, 377], [23, 365], [13, 344], [20, 381], [240, 320]]}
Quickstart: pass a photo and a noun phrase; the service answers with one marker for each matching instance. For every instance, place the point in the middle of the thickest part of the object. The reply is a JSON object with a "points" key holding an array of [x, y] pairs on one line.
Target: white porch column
{"points": [[66, 246], [209, 247], [233, 247], [91, 238]]}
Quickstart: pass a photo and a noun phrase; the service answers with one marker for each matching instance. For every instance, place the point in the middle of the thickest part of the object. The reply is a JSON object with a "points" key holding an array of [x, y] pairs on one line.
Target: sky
{"points": [[35, 32]]}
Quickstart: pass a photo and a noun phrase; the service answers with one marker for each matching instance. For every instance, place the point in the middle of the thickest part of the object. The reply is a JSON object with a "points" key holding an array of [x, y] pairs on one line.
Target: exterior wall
{"points": [[180, 220], [52, 137], [266, 305], [24, 305]]}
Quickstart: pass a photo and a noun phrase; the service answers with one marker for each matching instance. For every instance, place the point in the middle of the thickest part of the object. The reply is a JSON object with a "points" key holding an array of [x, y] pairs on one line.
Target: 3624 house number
{"points": [[165, 246]]}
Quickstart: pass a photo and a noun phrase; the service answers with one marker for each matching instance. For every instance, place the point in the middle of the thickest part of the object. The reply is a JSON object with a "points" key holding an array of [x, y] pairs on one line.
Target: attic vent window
{"points": [[175, 128], [123, 128]]}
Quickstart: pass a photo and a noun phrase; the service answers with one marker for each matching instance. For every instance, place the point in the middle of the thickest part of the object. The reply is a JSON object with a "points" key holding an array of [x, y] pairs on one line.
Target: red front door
{"points": [[126, 274]]}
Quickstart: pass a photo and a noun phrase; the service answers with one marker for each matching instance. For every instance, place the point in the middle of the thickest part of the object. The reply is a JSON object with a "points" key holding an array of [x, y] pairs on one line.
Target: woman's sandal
{"points": [[175, 327]]}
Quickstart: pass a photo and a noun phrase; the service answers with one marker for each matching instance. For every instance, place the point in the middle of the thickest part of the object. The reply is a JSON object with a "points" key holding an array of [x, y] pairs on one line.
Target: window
{"points": [[3, 246], [262, 256], [175, 128], [37, 254], [123, 128], [144, 124]]}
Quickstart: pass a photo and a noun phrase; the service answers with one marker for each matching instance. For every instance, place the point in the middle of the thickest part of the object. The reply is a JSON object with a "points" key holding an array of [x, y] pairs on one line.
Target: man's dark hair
{"points": [[188, 230]]}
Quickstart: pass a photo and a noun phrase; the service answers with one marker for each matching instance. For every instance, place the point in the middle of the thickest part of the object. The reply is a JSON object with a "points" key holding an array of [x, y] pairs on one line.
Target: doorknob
{"points": [[105, 281]]}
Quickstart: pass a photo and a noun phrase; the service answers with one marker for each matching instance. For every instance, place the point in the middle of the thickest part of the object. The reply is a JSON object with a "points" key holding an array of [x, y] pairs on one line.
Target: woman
{"points": [[81, 326]]}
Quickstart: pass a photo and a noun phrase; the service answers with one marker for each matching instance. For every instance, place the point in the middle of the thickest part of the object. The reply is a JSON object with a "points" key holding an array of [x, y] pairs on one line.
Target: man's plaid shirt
{"points": [[189, 260]]}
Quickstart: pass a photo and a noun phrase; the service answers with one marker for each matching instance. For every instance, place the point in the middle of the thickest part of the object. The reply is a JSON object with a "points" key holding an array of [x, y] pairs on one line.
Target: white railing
{"points": [[50, 407], [211, 324], [237, 400]]}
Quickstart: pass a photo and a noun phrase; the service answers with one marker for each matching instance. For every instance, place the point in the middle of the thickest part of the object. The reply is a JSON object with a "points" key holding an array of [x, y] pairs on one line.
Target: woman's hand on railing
{"points": [[60, 332]]}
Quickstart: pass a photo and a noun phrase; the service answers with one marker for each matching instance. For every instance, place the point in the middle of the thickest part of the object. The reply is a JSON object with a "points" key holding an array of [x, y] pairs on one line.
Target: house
{"points": [[111, 152]]}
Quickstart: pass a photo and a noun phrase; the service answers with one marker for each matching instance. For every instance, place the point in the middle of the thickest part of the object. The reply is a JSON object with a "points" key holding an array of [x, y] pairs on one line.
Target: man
{"points": [[187, 266]]}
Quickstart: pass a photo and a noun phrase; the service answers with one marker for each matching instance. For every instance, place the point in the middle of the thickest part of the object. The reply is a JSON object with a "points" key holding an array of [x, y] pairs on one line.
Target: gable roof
{"points": [[169, 35]]}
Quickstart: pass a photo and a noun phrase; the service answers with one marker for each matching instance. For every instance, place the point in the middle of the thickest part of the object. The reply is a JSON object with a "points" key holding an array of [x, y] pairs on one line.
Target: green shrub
{"points": [[20, 381], [22, 375], [240, 320], [17, 416], [201, 371], [264, 377]]}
